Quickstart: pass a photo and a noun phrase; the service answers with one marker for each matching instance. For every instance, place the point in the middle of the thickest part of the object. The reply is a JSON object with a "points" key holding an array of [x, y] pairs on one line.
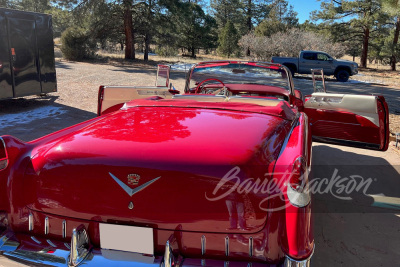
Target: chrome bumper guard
{"points": [[289, 262]]}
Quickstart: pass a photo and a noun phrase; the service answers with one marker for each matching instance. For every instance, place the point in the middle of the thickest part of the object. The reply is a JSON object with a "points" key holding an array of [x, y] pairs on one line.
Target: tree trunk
{"points": [[364, 52], [249, 24], [193, 52], [395, 41], [146, 47], [128, 25]]}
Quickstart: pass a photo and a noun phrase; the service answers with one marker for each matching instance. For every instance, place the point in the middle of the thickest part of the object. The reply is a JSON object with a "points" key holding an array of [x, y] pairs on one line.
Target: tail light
{"points": [[272, 61], [3, 155], [299, 174], [298, 191]]}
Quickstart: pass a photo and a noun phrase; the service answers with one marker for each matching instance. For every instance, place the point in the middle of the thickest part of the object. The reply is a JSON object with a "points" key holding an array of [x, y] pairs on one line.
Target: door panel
{"points": [[24, 57], [351, 120]]}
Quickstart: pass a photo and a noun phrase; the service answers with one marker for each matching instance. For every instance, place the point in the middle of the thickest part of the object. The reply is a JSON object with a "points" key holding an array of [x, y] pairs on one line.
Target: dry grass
{"points": [[118, 55]]}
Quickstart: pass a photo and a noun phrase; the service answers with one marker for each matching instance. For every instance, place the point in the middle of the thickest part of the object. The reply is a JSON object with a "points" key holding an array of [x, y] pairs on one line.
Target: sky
{"points": [[304, 7]]}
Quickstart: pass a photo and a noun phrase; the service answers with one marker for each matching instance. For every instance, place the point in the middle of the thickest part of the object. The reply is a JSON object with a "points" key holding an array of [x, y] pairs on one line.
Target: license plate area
{"points": [[127, 238]]}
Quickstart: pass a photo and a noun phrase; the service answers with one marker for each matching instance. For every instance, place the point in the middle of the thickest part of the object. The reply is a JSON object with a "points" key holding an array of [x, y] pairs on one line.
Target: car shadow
{"points": [[355, 227], [31, 118]]}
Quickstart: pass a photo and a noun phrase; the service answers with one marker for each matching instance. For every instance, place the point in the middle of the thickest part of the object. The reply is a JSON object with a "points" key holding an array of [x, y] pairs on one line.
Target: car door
{"points": [[350, 120], [307, 62], [325, 62], [112, 98]]}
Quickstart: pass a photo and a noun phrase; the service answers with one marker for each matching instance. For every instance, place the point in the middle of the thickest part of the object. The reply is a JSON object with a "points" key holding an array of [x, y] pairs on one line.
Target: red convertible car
{"points": [[216, 175]]}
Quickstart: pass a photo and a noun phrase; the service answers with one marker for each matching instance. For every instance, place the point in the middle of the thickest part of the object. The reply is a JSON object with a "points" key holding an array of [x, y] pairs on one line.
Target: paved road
{"points": [[363, 231]]}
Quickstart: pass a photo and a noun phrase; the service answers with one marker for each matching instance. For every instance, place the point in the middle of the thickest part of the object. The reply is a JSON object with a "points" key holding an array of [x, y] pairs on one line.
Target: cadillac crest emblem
{"points": [[133, 179]]}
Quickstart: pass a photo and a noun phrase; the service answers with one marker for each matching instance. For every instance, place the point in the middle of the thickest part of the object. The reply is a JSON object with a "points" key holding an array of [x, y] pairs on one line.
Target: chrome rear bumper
{"points": [[80, 253]]}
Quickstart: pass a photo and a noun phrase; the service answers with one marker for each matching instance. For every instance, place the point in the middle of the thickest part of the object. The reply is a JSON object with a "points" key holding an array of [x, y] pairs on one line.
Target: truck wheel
{"points": [[342, 76]]}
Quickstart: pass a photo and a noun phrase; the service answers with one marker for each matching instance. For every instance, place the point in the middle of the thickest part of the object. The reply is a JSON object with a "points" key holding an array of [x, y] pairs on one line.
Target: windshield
{"points": [[240, 73]]}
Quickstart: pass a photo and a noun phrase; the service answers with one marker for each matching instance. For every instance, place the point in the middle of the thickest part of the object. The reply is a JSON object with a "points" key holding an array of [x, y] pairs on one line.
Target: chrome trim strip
{"points": [[295, 122], [64, 229], [46, 225], [203, 245], [129, 190], [30, 222], [51, 243], [227, 246], [67, 246], [4, 145], [34, 239], [4, 238], [251, 246]]}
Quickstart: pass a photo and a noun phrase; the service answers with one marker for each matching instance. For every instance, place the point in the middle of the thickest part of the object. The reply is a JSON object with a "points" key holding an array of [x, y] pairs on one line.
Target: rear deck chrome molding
{"points": [[46, 225], [251, 246], [203, 245], [64, 229], [227, 246], [30, 222], [34, 239], [51, 243]]}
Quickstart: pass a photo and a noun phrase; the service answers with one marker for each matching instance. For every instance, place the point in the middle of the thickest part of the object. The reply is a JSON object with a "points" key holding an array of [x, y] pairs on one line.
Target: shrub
{"points": [[77, 44], [289, 44]]}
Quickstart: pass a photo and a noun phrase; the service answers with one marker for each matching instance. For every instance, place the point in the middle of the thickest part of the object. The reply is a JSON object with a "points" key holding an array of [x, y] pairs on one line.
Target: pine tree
{"points": [[228, 40], [281, 17], [348, 20]]}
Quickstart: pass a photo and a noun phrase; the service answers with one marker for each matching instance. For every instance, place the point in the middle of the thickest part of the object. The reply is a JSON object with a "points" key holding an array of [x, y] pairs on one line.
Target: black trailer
{"points": [[27, 65]]}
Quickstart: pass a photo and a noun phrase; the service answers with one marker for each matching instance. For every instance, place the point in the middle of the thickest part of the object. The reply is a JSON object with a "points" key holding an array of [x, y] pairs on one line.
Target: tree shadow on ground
{"points": [[31, 118]]}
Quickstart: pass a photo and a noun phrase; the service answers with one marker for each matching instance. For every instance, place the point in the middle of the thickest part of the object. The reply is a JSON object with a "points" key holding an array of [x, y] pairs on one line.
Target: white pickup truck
{"points": [[307, 60]]}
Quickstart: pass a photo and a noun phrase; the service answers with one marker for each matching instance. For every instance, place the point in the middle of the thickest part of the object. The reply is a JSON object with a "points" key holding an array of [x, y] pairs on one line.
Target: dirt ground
{"points": [[366, 233]]}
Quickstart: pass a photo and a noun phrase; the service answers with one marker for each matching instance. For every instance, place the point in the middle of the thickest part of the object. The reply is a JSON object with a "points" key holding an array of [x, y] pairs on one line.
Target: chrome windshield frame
{"points": [[266, 64]]}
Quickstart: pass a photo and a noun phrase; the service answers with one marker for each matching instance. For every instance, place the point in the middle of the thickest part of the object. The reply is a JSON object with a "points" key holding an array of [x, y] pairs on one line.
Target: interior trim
{"points": [[342, 142]]}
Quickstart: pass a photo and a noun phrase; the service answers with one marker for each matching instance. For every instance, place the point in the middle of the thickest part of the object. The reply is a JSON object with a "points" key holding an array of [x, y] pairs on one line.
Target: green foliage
{"points": [[77, 44], [194, 28], [166, 51], [228, 40]]}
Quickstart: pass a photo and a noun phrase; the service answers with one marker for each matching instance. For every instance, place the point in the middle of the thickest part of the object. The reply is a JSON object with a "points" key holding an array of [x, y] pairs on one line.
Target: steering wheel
{"points": [[206, 80]]}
